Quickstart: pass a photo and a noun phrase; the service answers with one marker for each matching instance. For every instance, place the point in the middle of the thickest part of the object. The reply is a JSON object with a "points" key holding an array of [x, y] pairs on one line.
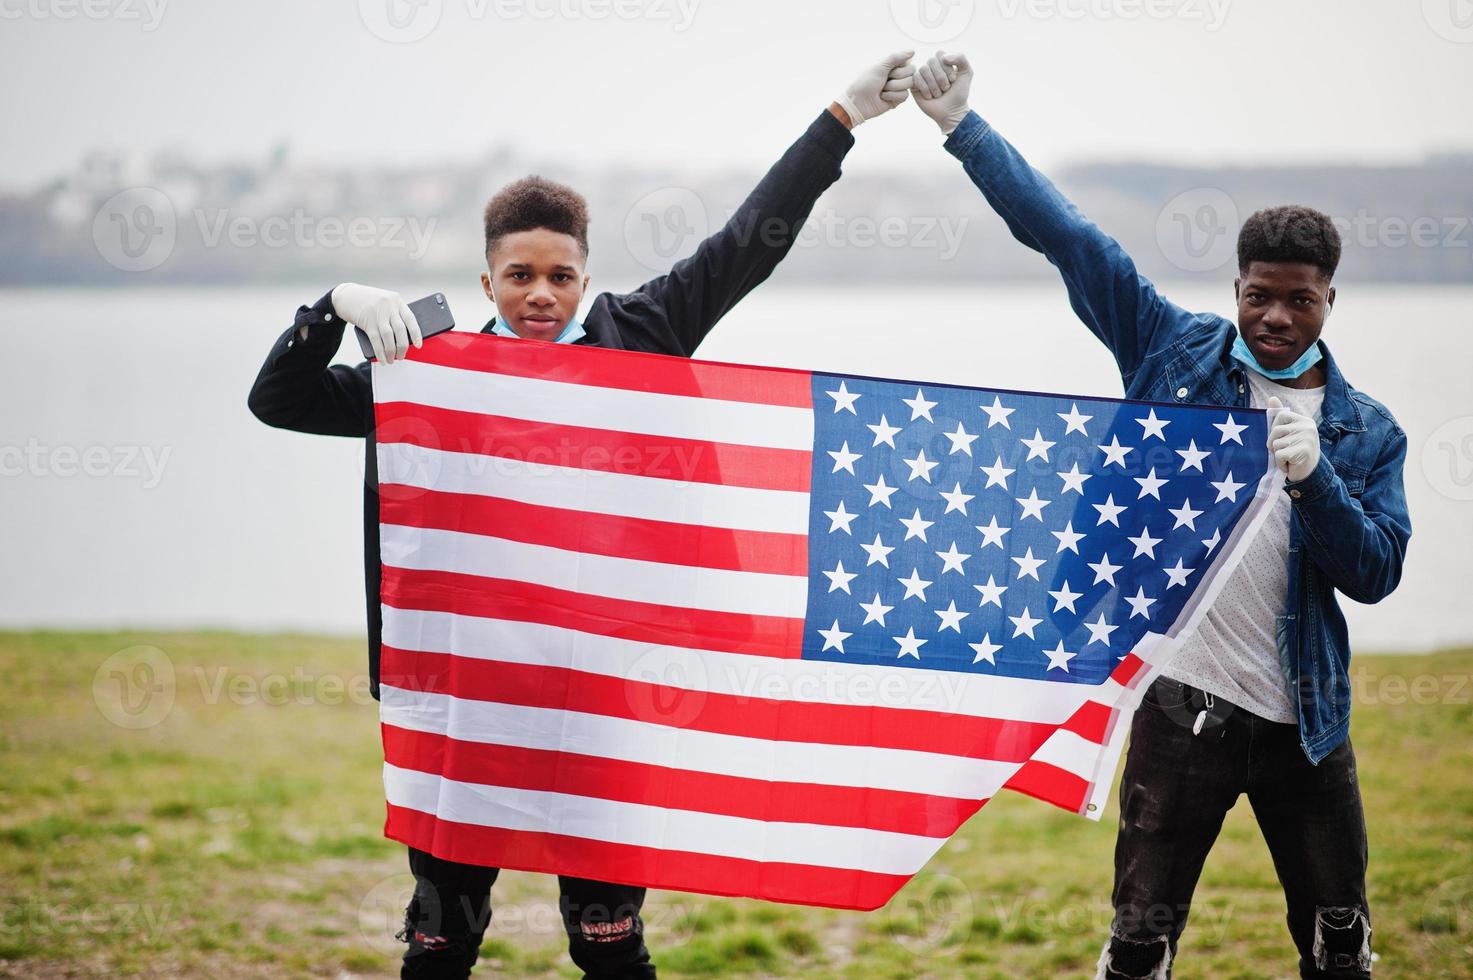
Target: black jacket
{"points": [[299, 389]]}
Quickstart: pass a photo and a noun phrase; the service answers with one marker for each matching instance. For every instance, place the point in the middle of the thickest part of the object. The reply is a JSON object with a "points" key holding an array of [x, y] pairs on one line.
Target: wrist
{"points": [[846, 112], [952, 120]]}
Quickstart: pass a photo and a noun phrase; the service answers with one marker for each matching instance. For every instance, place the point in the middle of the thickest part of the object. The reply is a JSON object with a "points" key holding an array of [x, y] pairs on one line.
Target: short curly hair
{"points": [[535, 202], [1290, 233]]}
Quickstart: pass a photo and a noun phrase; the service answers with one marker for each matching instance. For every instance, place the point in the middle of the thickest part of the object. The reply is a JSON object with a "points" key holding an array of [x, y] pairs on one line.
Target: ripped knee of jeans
{"points": [[1342, 939], [1146, 958]]}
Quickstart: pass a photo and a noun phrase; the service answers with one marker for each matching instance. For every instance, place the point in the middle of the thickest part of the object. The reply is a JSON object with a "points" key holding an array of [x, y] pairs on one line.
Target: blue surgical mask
{"points": [[1307, 360], [572, 333]]}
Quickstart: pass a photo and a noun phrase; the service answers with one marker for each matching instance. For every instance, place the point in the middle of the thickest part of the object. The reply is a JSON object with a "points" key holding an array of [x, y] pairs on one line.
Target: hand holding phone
{"points": [[431, 312]]}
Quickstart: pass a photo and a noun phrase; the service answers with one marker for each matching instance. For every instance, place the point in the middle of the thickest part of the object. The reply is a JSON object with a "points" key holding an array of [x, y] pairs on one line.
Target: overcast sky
{"points": [[723, 82]]}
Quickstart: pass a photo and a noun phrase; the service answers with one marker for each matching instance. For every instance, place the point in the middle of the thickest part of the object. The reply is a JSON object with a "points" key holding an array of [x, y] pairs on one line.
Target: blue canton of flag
{"points": [[1026, 535]]}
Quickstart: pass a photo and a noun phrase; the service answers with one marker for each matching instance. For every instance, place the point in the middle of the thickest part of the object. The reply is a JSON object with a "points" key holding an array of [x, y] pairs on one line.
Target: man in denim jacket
{"points": [[1258, 700]]}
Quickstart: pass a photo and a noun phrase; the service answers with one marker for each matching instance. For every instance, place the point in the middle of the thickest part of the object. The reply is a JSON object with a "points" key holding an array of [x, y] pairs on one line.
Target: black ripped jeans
{"points": [[451, 908], [1177, 789]]}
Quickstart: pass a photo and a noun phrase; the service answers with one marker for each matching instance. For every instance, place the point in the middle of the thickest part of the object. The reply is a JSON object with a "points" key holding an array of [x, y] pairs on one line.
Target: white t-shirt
{"points": [[1234, 653]]}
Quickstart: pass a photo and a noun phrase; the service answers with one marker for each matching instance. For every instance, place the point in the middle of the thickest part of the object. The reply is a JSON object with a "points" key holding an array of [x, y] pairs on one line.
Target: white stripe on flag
{"points": [[595, 491], [743, 675], [641, 825], [630, 579], [561, 403], [622, 739]]}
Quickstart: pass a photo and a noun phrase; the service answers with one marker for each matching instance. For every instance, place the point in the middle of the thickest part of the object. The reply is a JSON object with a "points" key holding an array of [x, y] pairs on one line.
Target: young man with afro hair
{"points": [[1258, 699], [536, 276]]}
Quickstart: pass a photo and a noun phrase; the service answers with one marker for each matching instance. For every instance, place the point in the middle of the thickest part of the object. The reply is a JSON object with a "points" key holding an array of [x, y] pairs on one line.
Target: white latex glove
{"points": [[879, 88], [1295, 442], [941, 87], [383, 315]]}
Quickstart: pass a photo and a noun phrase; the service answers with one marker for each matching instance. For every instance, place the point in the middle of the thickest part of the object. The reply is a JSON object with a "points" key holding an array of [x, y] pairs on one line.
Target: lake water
{"points": [[136, 489]]}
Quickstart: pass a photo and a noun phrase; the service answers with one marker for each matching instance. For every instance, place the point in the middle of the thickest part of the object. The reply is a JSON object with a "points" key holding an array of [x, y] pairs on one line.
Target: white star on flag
{"points": [[1073, 480], [992, 534], [910, 646], [1028, 565], [956, 500], [1104, 570], [1191, 457], [961, 441], [1109, 511], [951, 618], [1073, 421], [1177, 575], [1231, 431], [877, 552], [1099, 631], [1038, 446], [1213, 541], [915, 526], [915, 586], [1153, 426], [1064, 598], [840, 579], [1151, 485], [874, 612], [919, 407], [997, 415], [1185, 515], [1226, 489], [884, 432], [991, 592], [1059, 657], [997, 474], [844, 459], [1140, 605], [1144, 544], [833, 638], [843, 401], [1068, 539], [1023, 625], [841, 518], [1032, 505], [952, 560], [879, 493], [920, 467], [985, 649], [1114, 452]]}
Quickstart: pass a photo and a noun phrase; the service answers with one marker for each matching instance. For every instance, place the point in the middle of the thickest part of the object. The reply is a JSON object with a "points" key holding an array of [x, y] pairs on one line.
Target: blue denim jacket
{"points": [[1349, 516]]}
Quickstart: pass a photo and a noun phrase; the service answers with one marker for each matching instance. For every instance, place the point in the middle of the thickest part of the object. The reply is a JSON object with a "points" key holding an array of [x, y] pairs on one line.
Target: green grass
{"points": [[238, 835]]}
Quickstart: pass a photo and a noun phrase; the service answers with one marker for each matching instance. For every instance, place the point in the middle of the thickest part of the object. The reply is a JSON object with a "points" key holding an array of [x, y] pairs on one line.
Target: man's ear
{"points": [[586, 281], [1330, 298], [486, 286], [1237, 288]]}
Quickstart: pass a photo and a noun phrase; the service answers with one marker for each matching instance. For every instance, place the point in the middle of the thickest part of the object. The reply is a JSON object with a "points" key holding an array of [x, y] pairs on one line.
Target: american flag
{"points": [[771, 633]]}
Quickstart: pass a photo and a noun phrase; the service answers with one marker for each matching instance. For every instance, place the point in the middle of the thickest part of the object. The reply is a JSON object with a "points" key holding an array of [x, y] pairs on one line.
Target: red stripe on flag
{"points": [[1047, 782], [601, 450], [685, 871], [560, 688], [629, 370], [597, 534], [675, 789], [647, 622]]}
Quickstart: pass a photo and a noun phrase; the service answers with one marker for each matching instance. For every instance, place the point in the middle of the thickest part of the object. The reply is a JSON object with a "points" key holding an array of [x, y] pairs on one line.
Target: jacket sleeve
{"points": [[1119, 305], [299, 389], [729, 264], [1360, 543]]}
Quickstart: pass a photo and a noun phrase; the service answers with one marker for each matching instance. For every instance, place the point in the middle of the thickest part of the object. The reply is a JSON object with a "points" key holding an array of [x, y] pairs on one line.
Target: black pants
{"points": [[451, 908], [1178, 787]]}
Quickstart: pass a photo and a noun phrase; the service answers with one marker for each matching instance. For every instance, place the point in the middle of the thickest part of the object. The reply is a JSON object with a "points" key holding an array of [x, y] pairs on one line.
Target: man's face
{"points": [[536, 280], [1281, 309]]}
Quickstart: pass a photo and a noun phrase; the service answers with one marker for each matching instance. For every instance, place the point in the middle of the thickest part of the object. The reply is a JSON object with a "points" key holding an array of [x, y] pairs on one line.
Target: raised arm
{"points": [[1119, 305], [699, 290], [299, 389]]}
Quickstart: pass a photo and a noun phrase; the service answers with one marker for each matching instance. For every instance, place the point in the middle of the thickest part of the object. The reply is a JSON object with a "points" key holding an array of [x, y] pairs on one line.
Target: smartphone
{"points": [[432, 314]]}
